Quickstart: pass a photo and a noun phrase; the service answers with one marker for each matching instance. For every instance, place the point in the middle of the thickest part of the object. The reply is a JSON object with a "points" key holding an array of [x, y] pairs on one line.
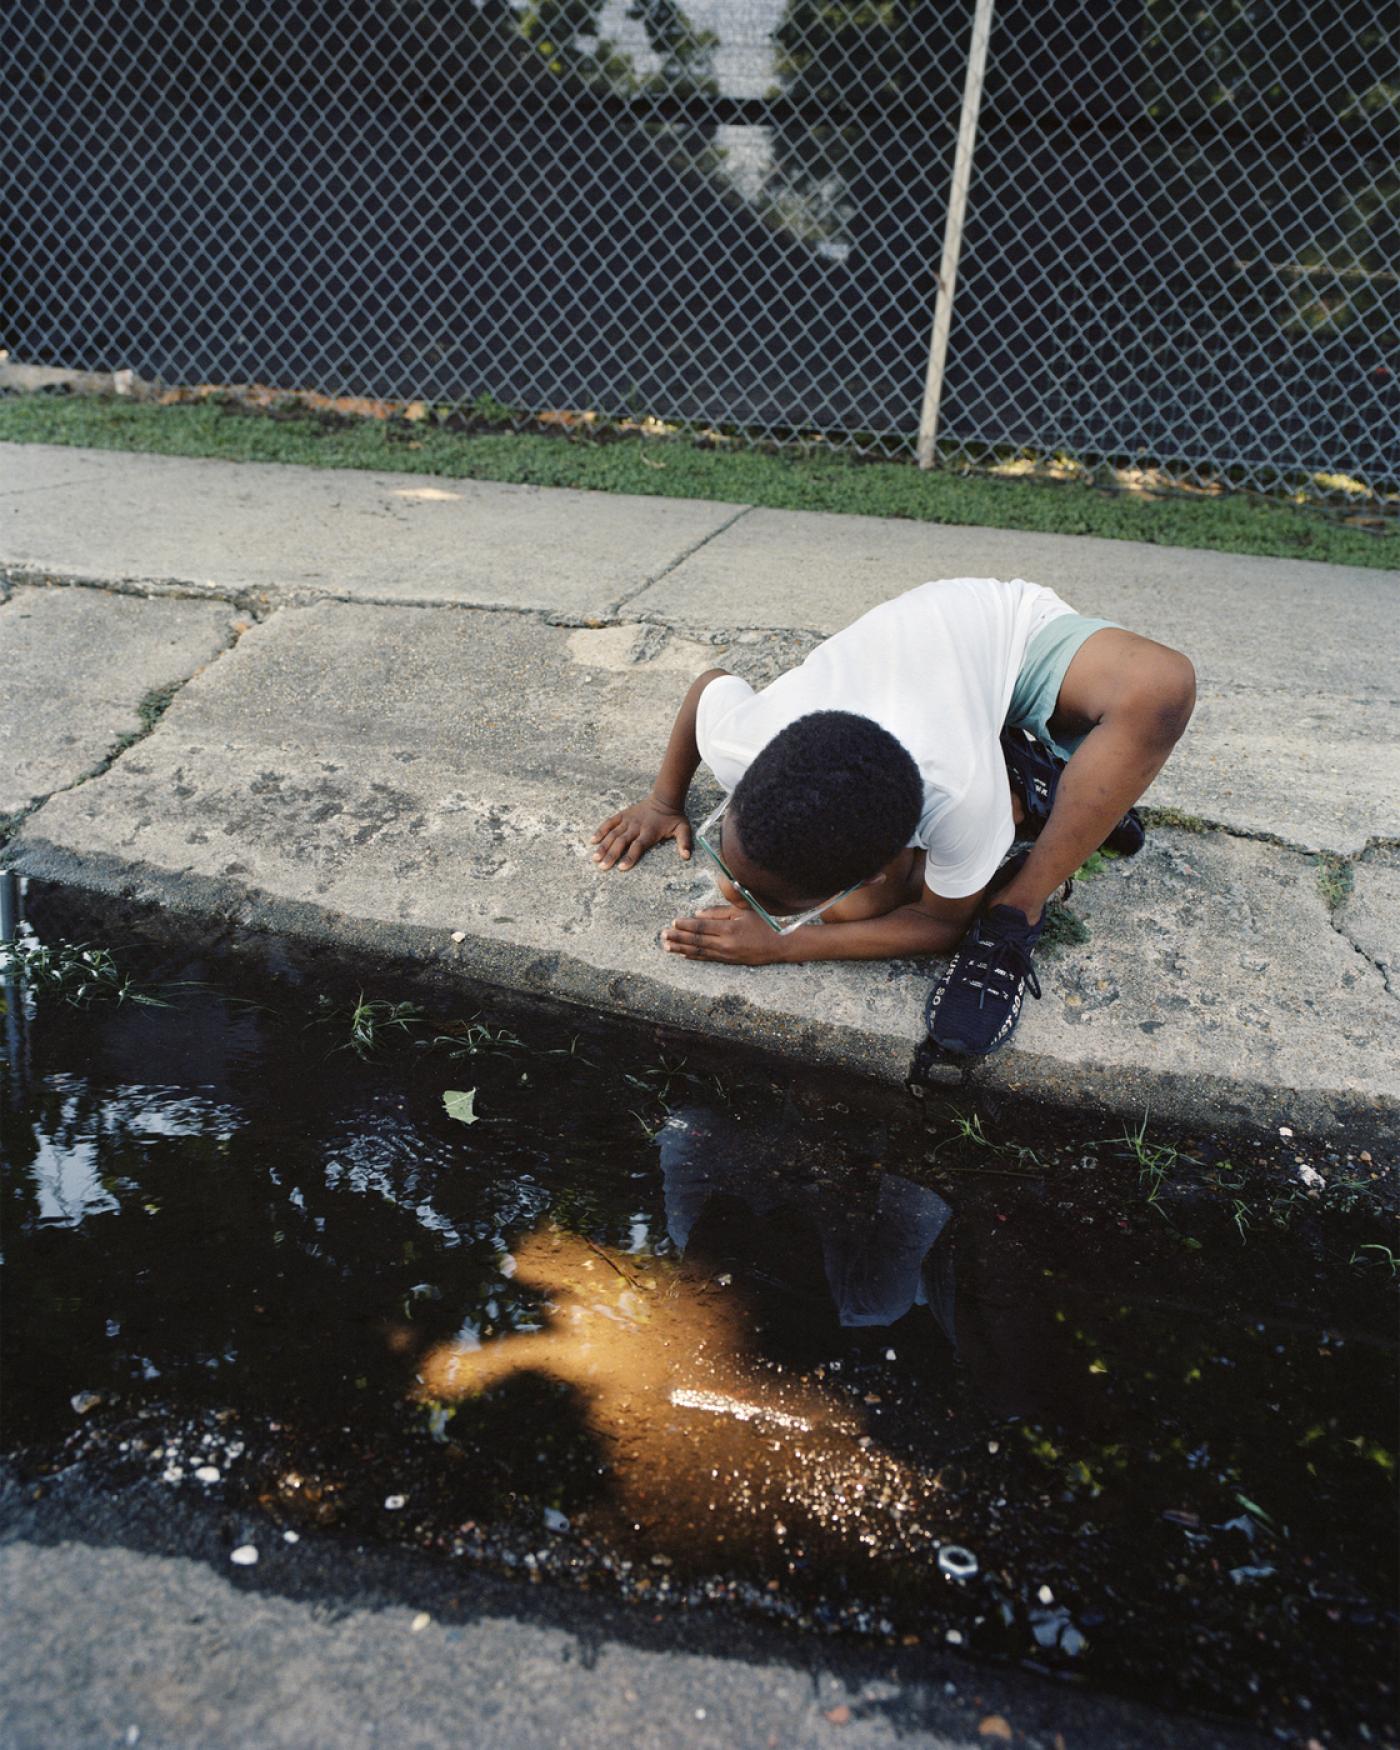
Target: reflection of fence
{"points": [[1180, 245]]}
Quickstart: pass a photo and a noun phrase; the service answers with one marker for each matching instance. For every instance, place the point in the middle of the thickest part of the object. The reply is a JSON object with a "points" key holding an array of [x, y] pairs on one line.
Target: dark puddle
{"points": [[692, 1330]]}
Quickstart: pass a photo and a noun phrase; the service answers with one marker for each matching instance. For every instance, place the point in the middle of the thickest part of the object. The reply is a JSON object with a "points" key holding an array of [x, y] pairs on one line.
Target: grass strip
{"points": [[679, 468]]}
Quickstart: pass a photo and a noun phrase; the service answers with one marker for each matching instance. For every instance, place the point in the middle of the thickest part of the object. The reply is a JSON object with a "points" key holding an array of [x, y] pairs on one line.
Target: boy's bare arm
{"points": [[930, 926], [628, 835], [737, 936]]}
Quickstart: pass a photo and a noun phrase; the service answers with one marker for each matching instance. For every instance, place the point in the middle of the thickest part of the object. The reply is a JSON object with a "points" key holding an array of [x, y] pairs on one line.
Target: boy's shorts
{"points": [[1048, 654]]}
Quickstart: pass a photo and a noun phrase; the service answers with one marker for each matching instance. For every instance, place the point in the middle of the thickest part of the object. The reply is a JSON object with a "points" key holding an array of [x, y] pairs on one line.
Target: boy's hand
{"points": [[729, 933], [631, 832]]}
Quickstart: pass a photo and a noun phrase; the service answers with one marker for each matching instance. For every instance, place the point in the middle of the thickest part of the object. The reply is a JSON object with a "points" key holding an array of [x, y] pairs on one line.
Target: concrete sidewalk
{"points": [[403, 703]]}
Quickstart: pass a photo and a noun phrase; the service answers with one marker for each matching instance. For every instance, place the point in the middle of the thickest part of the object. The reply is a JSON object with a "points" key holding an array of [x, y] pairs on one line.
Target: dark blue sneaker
{"points": [[1129, 836], [1034, 772], [975, 1006]]}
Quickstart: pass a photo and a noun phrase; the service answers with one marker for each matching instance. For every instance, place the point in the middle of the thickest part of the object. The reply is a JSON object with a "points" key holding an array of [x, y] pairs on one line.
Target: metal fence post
{"points": [[952, 233]]}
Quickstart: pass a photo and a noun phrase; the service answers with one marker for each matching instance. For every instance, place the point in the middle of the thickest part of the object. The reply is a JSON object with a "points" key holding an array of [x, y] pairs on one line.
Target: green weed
{"points": [[1386, 1258], [571, 1050], [78, 973], [968, 1130], [1156, 1159], [472, 1038], [371, 1022], [1094, 865], [1155, 1162], [486, 406], [368, 1024], [658, 1079]]}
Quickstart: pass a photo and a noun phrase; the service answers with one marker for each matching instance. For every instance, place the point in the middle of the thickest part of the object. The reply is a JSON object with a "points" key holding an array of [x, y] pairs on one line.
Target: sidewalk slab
{"points": [[1297, 733], [1242, 614], [259, 529], [385, 778], [1320, 772], [77, 664]]}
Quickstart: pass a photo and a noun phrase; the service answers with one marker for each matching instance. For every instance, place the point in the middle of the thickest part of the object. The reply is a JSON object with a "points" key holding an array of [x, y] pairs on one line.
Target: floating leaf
{"points": [[461, 1105]]}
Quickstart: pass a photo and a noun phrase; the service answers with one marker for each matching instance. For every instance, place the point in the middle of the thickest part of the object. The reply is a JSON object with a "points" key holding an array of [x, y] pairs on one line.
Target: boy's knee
{"points": [[1168, 697]]}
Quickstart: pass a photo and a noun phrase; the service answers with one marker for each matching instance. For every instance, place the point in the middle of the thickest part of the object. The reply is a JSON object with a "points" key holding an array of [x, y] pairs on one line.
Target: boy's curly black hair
{"points": [[828, 802]]}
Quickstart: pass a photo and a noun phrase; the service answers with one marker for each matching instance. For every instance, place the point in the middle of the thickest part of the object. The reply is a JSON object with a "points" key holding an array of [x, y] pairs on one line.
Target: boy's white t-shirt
{"points": [[935, 667]]}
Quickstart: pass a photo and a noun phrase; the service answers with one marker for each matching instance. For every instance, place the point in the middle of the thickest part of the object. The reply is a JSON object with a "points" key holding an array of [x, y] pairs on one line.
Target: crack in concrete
{"points": [[260, 608], [48, 486], [250, 602], [680, 560], [1171, 819], [11, 824], [1335, 896], [1376, 966]]}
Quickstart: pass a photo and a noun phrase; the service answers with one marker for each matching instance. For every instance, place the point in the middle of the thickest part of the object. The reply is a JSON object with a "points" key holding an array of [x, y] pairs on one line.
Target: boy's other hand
{"points": [[731, 934], [625, 837]]}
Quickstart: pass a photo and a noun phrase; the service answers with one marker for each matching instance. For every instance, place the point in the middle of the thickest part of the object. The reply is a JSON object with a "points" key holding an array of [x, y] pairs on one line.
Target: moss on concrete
{"points": [[1335, 878]]}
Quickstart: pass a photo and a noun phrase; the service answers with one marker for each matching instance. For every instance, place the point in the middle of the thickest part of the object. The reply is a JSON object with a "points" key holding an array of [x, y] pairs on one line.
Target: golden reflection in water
{"points": [[706, 1443]]}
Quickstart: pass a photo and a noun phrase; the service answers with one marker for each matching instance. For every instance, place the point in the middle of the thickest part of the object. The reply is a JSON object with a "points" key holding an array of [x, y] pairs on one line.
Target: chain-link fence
{"points": [[1180, 248]]}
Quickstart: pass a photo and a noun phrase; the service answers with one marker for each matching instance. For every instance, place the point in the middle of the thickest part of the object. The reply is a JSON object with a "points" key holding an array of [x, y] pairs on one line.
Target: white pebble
{"points": [[392, 1503], [889, 1355], [244, 1556], [1045, 1595], [1283, 1130], [420, 1622], [954, 1637], [291, 1537], [207, 1474], [459, 935], [699, 1713]]}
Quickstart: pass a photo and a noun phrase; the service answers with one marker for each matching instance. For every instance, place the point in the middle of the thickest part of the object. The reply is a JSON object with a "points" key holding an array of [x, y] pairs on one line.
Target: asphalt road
{"points": [[126, 1623]]}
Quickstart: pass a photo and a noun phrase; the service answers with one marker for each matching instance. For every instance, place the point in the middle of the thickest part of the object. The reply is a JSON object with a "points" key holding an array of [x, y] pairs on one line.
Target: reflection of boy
{"points": [[876, 765], [873, 1256]]}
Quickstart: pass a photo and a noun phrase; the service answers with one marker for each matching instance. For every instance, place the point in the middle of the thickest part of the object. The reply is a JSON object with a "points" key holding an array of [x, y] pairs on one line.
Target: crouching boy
{"points": [[876, 789]]}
